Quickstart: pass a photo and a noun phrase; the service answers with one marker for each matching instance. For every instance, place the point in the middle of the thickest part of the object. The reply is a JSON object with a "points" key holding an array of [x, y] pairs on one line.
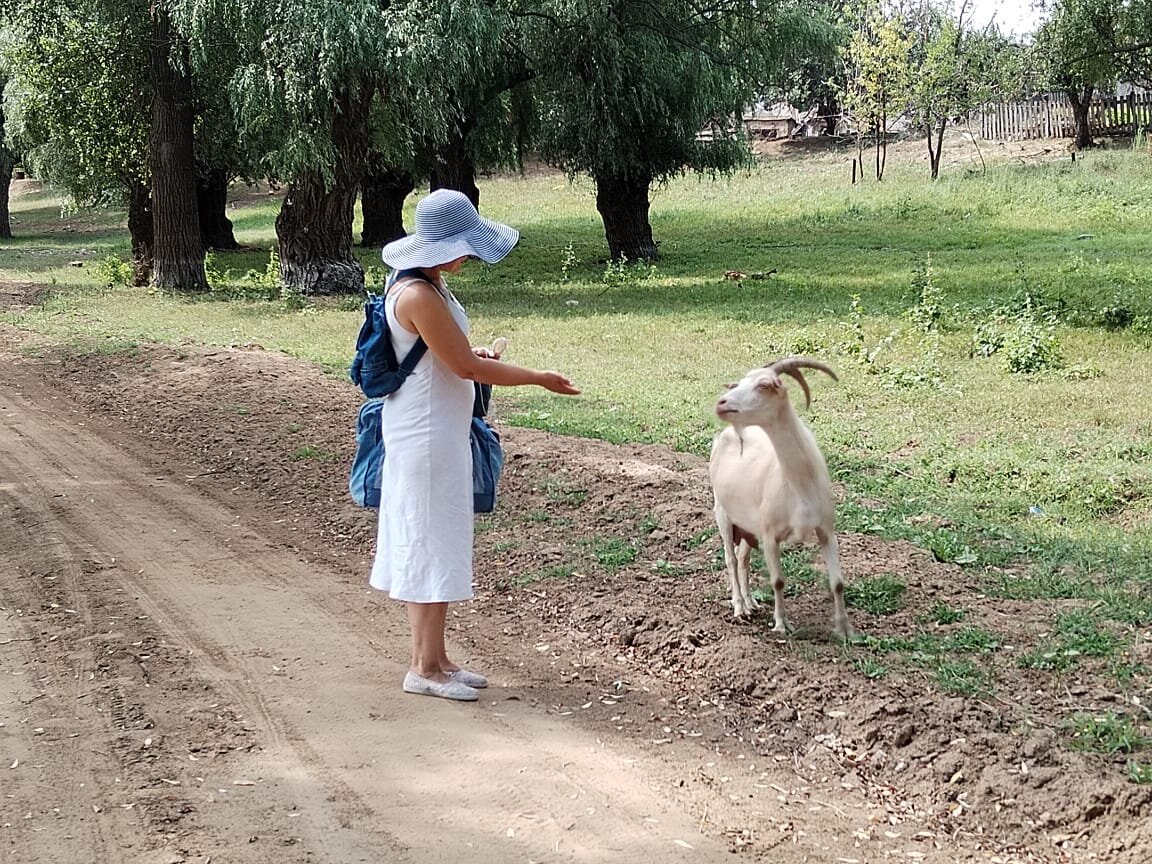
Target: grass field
{"points": [[993, 333]]}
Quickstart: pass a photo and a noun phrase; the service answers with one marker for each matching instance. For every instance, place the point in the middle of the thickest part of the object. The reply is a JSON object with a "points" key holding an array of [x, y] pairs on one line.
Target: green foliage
{"points": [[942, 613], [621, 273], [927, 315], [81, 119], [613, 552], [630, 85], [112, 270], [1025, 337], [1107, 733], [869, 667], [879, 595], [1139, 772]]}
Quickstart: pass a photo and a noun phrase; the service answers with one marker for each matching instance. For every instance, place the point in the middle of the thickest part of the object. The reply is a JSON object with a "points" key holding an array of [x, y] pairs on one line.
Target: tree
{"points": [[179, 250], [956, 69], [1086, 46], [878, 76], [305, 84], [81, 117], [8, 156], [630, 85]]}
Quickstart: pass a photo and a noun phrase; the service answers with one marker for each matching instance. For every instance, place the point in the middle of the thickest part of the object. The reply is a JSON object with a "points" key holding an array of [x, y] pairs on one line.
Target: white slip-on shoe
{"points": [[450, 689], [472, 679]]}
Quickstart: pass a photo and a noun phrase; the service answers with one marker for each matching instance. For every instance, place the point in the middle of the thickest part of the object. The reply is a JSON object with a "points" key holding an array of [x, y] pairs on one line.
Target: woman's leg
{"points": [[427, 620]]}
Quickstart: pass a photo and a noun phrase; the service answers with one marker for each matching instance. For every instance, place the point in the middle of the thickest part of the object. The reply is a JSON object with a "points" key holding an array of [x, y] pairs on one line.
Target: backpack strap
{"points": [[416, 352]]}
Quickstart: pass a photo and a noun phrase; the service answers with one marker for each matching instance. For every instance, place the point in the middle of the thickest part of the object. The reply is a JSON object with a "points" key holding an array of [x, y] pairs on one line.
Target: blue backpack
{"points": [[375, 368], [378, 373]]}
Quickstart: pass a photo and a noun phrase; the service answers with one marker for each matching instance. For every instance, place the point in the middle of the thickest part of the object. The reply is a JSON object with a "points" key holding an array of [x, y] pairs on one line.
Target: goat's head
{"points": [[760, 396]]}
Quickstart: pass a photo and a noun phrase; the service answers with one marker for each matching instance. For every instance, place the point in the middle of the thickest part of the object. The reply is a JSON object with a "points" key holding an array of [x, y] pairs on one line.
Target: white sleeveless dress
{"points": [[424, 537]]}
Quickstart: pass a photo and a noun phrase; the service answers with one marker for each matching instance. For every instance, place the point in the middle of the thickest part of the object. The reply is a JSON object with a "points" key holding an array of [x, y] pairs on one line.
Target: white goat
{"points": [[771, 485]]}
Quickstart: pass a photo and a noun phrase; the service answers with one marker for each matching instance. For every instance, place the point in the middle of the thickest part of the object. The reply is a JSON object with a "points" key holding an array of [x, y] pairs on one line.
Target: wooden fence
{"points": [[1050, 116]]}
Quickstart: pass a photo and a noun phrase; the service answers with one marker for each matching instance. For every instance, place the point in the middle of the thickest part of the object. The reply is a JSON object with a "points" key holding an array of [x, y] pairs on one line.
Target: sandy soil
{"points": [[194, 670]]}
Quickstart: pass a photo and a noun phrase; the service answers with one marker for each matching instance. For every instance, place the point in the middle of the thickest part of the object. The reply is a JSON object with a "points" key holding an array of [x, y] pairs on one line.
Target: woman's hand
{"points": [[494, 352], [557, 383]]}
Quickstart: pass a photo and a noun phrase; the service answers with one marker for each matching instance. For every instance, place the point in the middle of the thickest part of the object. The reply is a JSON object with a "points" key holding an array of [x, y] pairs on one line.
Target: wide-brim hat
{"points": [[448, 227]]}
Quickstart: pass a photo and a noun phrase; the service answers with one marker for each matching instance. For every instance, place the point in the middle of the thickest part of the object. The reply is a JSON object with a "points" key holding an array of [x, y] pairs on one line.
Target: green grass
{"points": [[1036, 487], [612, 553], [1107, 733], [878, 595]]}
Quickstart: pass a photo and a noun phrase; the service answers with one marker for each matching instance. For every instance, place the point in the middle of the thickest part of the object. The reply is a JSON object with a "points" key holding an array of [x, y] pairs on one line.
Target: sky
{"points": [[1013, 16]]}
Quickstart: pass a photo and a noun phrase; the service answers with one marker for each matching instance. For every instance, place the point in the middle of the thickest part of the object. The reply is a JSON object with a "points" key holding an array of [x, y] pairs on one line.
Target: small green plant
{"points": [[949, 547], [613, 552], [1080, 633], [1140, 772], [505, 545], [927, 315], [1108, 733], [112, 271], [879, 595], [700, 538], [217, 279], [962, 677], [1030, 346], [667, 568], [972, 640], [944, 614], [869, 667], [621, 272], [561, 493], [569, 262]]}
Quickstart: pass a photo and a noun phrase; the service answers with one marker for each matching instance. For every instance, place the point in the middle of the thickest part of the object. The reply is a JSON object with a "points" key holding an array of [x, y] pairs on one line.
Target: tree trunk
{"points": [[452, 165], [829, 108], [934, 153], [212, 207], [623, 205], [314, 226], [178, 259], [5, 184], [382, 197], [1081, 103], [141, 231]]}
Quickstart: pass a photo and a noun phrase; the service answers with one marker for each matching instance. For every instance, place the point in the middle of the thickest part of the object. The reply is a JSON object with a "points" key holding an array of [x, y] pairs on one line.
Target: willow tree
{"points": [[7, 147], [631, 85], [307, 77], [82, 106]]}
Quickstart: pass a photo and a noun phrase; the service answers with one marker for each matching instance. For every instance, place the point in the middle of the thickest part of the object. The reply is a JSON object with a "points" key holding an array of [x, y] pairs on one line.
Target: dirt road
{"points": [[178, 687], [193, 669]]}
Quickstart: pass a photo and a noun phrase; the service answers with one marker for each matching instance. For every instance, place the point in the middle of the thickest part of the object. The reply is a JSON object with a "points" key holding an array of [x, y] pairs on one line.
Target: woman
{"points": [[424, 540]]}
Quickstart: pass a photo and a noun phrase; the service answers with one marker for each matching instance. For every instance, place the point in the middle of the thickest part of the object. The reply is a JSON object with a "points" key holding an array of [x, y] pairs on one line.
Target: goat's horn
{"points": [[792, 365]]}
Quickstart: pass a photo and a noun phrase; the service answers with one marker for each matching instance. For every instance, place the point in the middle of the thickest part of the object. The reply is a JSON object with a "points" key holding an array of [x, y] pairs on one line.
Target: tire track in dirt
{"points": [[360, 769], [62, 724]]}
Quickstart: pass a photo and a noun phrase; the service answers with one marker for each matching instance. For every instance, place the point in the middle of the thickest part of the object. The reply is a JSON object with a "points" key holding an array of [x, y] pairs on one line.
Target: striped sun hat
{"points": [[448, 227]]}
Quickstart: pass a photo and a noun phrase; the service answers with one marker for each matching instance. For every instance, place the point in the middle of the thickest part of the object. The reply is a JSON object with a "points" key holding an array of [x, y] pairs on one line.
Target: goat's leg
{"points": [[725, 527], [831, 549], [744, 576], [772, 559]]}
